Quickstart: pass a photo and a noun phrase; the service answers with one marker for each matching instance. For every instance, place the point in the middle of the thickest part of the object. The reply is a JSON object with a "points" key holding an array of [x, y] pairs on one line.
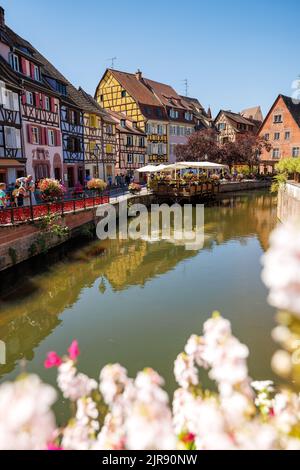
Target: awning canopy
{"points": [[151, 168], [10, 163], [199, 165]]}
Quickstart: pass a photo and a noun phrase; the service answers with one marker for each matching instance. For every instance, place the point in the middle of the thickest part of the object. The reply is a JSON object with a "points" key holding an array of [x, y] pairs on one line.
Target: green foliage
{"points": [[47, 224], [87, 231], [288, 165], [279, 180], [32, 250], [13, 255]]}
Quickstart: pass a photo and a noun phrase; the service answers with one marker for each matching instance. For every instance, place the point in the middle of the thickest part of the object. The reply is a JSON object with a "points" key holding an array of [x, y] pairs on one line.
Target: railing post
{"points": [[30, 202], [12, 218], [84, 201], [74, 206]]}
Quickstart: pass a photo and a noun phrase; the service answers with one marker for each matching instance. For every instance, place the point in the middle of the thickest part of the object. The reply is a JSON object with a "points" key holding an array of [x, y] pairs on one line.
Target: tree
{"points": [[245, 150], [200, 144]]}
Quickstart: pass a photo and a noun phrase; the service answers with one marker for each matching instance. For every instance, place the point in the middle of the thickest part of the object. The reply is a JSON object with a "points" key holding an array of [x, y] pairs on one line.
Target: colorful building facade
{"points": [[129, 94], [281, 128], [230, 125], [131, 145], [12, 160]]}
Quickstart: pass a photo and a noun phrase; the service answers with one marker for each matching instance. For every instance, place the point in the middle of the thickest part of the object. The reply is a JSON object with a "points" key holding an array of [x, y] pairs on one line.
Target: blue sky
{"points": [[235, 54]]}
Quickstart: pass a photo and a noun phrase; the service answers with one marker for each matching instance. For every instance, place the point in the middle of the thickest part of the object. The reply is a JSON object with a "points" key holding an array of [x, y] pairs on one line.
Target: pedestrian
{"points": [[2, 196]]}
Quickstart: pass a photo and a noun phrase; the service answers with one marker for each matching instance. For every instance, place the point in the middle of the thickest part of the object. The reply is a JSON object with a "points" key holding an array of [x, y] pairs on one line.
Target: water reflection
{"points": [[34, 295]]}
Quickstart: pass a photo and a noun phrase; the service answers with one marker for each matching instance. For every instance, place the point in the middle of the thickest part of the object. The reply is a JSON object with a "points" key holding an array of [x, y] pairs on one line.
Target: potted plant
{"points": [[97, 184], [134, 188]]}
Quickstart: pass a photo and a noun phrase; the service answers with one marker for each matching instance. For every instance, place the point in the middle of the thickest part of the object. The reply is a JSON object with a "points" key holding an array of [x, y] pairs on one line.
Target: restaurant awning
{"points": [[10, 163]]}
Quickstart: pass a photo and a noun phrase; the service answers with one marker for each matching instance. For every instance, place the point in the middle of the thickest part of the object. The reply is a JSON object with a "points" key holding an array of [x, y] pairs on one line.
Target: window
{"points": [[129, 141], [123, 123], [276, 153], [267, 136], [277, 136], [109, 128], [92, 120], [109, 148], [123, 93], [141, 142], [29, 98], [160, 149], [73, 117], [296, 152], [222, 126], [148, 128], [134, 124], [14, 62], [12, 138], [35, 135], [141, 159], [73, 145], [36, 73], [277, 118], [51, 137], [101, 97], [160, 129], [159, 112], [173, 113], [47, 103], [130, 158], [287, 135], [9, 99], [188, 116]]}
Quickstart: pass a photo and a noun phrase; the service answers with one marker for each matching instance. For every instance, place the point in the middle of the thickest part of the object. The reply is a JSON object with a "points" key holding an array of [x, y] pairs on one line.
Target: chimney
{"points": [[2, 17], [138, 75]]}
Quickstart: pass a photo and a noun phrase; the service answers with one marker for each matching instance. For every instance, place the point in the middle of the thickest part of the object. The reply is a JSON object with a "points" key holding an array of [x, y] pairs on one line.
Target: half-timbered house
{"points": [[130, 94], [12, 159], [99, 131], [230, 125], [131, 145], [39, 105]]}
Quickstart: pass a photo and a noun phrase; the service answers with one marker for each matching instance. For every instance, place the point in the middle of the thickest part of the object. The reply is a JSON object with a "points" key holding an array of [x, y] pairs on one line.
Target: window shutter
{"points": [[29, 133], [31, 70], [18, 139], [57, 138], [43, 101], [23, 66], [23, 98], [52, 105], [46, 140], [37, 100]]}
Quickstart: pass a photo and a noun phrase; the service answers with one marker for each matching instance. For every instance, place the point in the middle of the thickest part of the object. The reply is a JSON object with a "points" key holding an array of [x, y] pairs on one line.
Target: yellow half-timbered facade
{"points": [[130, 94]]}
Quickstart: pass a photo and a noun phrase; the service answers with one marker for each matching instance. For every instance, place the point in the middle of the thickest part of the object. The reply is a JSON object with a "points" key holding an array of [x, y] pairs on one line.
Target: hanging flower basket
{"points": [[51, 190]]}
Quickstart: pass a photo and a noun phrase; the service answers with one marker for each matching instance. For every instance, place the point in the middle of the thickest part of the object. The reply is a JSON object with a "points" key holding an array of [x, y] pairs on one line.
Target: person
{"points": [[127, 179], [2, 196], [109, 180]]}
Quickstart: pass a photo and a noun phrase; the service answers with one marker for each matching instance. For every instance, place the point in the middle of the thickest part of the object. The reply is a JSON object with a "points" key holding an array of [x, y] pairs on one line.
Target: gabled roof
{"points": [[292, 105], [253, 113], [136, 88], [166, 94], [194, 102], [88, 104], [235, 117]]}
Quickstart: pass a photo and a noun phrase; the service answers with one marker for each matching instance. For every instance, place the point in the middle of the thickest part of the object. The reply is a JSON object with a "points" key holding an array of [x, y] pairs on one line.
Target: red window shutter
{"points": [[52, 105], [45, 129], [43, 101], [29, 133], [37, 100], [32, 70], [23, 66], [23, 98], [57, 138]]}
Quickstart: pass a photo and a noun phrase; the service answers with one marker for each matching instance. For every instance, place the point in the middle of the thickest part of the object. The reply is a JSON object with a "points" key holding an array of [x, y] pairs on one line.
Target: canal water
{"points": [[136, 302]]}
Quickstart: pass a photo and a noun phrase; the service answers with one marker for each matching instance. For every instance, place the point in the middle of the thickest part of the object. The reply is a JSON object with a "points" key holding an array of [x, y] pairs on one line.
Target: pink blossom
{"points": [[74, 350], [52, 446], [52, 360]]}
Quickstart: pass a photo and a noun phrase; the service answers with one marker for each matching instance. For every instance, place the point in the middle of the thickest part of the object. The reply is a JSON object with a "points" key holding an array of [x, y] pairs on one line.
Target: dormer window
{"points": [[173, 113], [123, 123], [188, 116], [123, 93], [36, 73], [15, 62]]}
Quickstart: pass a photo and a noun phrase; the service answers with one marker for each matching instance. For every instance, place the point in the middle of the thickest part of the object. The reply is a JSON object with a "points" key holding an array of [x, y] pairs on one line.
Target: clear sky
{"points": [[234, 53]]}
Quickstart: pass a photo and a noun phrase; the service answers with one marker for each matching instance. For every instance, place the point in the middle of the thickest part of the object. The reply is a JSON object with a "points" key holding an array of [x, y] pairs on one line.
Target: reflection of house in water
{"points": [[30, 304]]}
